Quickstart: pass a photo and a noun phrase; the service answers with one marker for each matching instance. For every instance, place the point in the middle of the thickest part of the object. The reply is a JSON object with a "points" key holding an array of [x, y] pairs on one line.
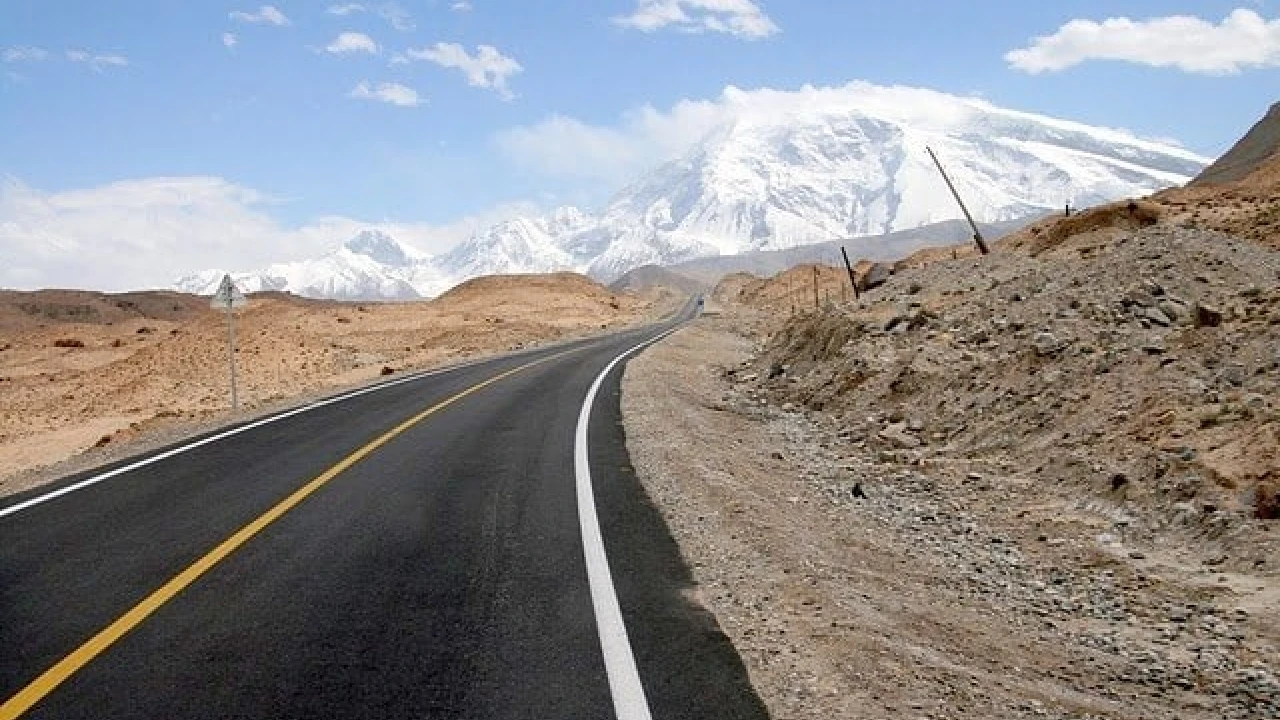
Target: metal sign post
{"points": [[228, 298]]}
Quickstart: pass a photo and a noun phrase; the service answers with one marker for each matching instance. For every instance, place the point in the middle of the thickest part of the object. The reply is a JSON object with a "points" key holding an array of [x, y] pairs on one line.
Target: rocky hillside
{"points": [[1158, 352], [1108, 405], [1260, 145]]}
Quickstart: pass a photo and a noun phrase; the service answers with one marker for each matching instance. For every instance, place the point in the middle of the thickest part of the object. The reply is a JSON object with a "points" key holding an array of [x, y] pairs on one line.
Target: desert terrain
{"points": [[88, 377], [1040, 483]]}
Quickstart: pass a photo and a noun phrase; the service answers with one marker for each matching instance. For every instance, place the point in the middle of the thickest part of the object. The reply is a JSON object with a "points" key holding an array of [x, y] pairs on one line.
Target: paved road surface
{"points": [[385, 556]]}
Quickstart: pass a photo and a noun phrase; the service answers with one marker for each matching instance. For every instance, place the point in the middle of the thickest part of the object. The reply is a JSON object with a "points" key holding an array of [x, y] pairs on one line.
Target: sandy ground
{"points": [[86, 378], [942, 590]]}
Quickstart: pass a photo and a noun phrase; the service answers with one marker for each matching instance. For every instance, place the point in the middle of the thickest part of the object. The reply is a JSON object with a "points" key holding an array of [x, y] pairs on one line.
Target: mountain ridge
{"points": [[782, 170]]}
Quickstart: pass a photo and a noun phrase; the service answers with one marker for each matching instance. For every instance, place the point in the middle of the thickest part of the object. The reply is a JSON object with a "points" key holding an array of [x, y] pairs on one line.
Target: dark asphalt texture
{"points": [[440, 577]]}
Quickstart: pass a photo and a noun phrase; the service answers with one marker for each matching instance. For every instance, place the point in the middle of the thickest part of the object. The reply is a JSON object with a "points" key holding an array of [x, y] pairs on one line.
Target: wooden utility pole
{"points": [[977, 234], [816, 304], [847, 266]]}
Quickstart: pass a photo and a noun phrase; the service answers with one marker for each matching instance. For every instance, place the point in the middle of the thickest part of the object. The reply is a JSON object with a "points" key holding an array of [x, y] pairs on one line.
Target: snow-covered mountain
{"points": [[789, 169], [370, 266], [780, 170]]}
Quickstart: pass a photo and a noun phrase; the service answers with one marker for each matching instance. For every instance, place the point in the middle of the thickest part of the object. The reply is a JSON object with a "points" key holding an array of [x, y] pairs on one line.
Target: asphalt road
{"points": [[384, 556]]}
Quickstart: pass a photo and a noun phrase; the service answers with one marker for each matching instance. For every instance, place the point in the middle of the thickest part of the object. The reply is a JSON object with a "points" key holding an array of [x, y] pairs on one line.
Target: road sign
{"points": [[228, 296]]}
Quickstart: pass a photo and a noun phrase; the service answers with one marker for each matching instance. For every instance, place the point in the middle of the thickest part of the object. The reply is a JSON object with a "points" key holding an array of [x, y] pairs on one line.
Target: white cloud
{"points": [[609, 155], [395, 15], [345, 9], [741, 18], [488, 68], [267, 14], [613, 154], [352, 42], [127, 234], [24, 54], [1243, 40], [229, 40], [462, 6], [147, 233], [95, 61], [390, 93]]}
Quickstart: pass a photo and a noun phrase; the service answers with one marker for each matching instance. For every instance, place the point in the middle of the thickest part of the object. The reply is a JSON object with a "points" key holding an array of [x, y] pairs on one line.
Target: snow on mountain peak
{"points": [[382, 248], [777, 169]]}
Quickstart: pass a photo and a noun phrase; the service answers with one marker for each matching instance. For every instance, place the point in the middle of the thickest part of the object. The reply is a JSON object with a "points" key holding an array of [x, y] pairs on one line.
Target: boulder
{"points": [[898, 436], [878, 274], [1046, 344], [1208, 316]]}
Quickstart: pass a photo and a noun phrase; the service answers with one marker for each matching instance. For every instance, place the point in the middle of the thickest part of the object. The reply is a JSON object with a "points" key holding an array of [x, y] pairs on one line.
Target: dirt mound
{"points": [[1260, 145], [1097, 223], [562, 298]]}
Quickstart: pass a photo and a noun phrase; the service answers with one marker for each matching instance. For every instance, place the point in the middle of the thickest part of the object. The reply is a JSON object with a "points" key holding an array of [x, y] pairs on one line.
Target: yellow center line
{"points": [[33, 693]]}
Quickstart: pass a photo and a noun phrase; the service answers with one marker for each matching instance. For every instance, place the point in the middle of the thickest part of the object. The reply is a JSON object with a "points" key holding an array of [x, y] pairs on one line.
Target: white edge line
{"points": [[151, 460], [629, 702]]}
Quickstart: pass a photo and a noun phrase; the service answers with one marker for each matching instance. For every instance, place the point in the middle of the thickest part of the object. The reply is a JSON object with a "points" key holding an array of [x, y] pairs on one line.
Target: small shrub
{"points": [[68, 343]]}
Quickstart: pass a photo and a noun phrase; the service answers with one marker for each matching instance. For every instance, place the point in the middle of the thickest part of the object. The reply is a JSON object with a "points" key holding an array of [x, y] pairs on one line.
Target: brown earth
{"points": [[110, 374]]}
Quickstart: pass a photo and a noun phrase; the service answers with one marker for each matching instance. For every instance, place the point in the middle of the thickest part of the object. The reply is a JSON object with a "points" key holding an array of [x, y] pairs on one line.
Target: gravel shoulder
{"points": [[950, 589]]}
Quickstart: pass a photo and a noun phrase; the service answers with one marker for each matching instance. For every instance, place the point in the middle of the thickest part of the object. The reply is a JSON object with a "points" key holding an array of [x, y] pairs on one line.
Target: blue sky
{"points": [[258, 104]]}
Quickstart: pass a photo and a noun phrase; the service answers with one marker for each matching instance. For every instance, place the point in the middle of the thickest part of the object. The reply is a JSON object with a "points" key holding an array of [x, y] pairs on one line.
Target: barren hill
{"points": [[1259, 145], [24, 310], [648, 277]]}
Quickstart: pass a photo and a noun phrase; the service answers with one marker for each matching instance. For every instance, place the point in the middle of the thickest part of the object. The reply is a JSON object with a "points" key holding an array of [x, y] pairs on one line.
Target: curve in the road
{"points": [[457, 570], [50, 679]]}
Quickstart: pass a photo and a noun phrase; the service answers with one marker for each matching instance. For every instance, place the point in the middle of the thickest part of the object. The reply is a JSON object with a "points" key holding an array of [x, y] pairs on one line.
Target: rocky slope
{"points": [[1258, 147]]}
